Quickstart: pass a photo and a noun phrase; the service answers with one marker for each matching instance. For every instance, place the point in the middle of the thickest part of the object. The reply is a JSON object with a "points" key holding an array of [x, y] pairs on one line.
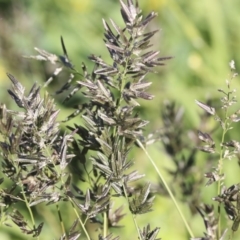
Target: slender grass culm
{"points": [[79, 170]]}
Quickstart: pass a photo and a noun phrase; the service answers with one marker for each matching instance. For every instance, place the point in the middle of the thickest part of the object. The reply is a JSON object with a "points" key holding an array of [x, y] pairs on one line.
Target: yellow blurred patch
{"points": [[2, 72], [155, 4], [80, 6], [194, 61]]}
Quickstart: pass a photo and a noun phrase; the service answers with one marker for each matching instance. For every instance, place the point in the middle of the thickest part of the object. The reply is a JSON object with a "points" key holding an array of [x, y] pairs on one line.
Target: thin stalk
{"points": [[2, 214], [105, 224], [167, 188], [79, 219], [61, 221], [29, 209], [133, 216], [220, 169]]}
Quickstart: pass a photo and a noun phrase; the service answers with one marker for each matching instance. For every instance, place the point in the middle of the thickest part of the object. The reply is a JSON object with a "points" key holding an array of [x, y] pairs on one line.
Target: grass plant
{"points": [[87, 167]]}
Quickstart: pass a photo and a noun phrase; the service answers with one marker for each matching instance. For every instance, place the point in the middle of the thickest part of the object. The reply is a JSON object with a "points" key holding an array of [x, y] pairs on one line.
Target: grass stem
{"points": [[167, 188]]}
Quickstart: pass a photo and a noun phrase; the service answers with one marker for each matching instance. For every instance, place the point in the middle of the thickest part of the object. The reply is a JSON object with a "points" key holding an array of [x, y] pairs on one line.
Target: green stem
{"points": [[134, 219], [79, 219], [29, 209], [105, 225], [220, 170], [85, 221], [61, 221], [167, 188]]}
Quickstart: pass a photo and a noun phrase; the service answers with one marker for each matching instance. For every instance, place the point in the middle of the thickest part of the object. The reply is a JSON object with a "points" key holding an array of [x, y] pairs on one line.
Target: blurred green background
{"points": [[202, 36]]}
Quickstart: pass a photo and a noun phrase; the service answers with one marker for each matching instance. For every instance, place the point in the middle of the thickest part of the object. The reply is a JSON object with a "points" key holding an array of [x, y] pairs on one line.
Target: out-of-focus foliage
{"points": [[202, 36]]}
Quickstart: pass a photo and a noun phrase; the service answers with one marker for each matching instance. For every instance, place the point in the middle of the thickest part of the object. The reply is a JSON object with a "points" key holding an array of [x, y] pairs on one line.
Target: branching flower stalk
{"points": [[228, 150], [226, 128], [228, 100]]}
